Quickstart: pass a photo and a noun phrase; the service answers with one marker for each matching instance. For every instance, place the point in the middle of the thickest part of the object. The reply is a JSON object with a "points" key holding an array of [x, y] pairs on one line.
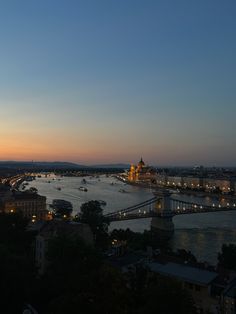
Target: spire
{"points": [[141, 163]]}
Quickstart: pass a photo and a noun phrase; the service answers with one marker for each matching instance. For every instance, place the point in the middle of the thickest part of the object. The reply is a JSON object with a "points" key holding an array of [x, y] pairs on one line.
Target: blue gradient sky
{"points": [[108, 81]]}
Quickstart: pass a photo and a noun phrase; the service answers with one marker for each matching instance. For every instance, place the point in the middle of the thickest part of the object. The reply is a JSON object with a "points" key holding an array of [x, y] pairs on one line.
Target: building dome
{"points": [[141, 172], [141, 163]]}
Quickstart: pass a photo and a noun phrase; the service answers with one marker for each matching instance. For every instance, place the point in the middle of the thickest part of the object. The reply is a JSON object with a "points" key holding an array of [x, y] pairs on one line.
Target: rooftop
{"points": [[27, 195], [59, 226], [126, 260], [183, 272]]}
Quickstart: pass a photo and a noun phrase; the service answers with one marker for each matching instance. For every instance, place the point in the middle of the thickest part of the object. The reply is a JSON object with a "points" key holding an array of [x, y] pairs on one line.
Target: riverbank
{"points": [[182, 191], [220, 197]]}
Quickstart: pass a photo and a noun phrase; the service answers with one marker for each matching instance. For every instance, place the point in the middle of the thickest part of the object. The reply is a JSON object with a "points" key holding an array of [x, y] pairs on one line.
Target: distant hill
{"points": [[115, 166], [41, 165], [56, 165]]}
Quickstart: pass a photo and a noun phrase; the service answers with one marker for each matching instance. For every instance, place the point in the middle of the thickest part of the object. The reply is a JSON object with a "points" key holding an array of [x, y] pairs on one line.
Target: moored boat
{"points": [[81, 188]]}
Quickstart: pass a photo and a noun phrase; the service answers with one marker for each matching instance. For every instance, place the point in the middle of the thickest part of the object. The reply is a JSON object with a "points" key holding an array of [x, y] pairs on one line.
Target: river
{"points": [[202, 234]]}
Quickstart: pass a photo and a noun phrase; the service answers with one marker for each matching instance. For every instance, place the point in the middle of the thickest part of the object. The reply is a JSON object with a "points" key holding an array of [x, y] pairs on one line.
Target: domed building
{"points": [[141, 172], [141, 164]]}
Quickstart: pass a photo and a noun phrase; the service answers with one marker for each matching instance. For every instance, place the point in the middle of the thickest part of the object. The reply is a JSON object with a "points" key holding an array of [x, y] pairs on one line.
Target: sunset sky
{"points": [[103, 81]]}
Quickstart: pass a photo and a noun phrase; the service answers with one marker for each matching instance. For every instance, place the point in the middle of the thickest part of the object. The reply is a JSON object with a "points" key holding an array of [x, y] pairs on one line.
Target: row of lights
{"points": [[194, 185], [144, 212], [201, 206]]}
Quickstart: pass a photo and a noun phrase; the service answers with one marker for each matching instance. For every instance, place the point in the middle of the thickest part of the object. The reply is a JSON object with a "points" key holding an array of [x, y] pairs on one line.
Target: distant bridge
{"points": [[162, 205]]}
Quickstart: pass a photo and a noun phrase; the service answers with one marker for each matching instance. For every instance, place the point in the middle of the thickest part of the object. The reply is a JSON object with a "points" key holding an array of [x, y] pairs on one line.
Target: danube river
{"points": [[203, 234]]}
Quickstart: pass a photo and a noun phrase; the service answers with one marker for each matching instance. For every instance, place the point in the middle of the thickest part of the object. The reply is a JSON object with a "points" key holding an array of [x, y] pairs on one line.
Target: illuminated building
{"points": [[141, 172], [31, 205]]}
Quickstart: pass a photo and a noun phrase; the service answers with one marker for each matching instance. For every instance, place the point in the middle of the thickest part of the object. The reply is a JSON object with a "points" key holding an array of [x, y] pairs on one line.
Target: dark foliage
{"points": [[78, 279], [17, 272], [135, 240], [166, 296], [227, 256], [92, 214]]}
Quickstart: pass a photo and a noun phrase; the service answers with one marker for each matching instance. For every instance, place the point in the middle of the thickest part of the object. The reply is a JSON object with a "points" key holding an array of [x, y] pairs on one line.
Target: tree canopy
{"points": [[92, 214], [79, 279], [227, 256], [17, 270]]}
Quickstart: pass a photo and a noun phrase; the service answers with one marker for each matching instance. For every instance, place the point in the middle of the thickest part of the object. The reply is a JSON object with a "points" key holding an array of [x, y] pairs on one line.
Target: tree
{"points": [[68, 251], [63, 212], [135, 240], [227, 256], [92, 214], [164, 295], [17, 270], [78, 281]]}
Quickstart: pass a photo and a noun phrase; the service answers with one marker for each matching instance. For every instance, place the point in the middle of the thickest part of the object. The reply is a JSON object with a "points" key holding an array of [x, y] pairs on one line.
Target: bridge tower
{"points": [[162, 227]]}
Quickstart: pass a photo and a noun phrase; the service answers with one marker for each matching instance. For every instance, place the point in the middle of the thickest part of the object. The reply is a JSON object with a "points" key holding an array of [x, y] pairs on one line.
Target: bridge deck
{"points": [[178, 208]]}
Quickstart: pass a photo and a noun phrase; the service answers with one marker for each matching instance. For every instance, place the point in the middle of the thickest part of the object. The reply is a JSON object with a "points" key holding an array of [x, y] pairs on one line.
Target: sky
{"points": [[107, 81]]}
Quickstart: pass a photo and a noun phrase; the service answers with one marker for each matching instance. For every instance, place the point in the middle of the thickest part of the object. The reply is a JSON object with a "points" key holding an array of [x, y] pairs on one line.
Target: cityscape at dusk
{"points": [[118, 157], [106, 81]]}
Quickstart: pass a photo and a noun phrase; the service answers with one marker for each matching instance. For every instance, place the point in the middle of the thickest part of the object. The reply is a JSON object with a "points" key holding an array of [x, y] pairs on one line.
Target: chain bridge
{"points": [[163, 205], [162, 208]]}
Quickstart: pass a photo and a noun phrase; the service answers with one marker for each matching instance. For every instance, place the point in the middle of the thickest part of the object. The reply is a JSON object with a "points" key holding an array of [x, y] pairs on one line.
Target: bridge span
{"points": [[163, 205], [162, 208]]}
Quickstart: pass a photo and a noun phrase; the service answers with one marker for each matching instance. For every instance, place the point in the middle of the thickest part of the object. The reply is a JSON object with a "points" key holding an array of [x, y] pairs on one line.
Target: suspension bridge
{"points": [[162, 205]]}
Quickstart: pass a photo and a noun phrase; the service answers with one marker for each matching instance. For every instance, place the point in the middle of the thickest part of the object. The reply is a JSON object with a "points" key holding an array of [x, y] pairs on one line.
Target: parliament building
{"points": [[141, 173]]}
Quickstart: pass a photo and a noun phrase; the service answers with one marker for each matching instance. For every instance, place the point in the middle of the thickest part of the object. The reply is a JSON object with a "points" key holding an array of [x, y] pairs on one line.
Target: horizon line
{"points": [[115, 163]]}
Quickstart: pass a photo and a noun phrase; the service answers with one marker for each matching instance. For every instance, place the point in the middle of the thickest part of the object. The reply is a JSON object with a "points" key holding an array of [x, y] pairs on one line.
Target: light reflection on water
{"points": [[203, 234], [203, 243]]}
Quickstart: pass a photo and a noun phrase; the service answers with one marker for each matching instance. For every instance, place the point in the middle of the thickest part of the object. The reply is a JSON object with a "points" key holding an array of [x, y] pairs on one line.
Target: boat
{"points": [[122, 191], [102, 203], [81, 188]]}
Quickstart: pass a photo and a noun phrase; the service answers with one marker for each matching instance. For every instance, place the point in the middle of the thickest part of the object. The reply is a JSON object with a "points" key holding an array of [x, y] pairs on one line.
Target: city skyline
{"points": [[108, 82]]}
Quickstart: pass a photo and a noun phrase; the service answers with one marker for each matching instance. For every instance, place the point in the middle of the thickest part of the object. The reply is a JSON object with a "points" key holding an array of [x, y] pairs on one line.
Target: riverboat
{"points": [[81, 188], [122, 191]]}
